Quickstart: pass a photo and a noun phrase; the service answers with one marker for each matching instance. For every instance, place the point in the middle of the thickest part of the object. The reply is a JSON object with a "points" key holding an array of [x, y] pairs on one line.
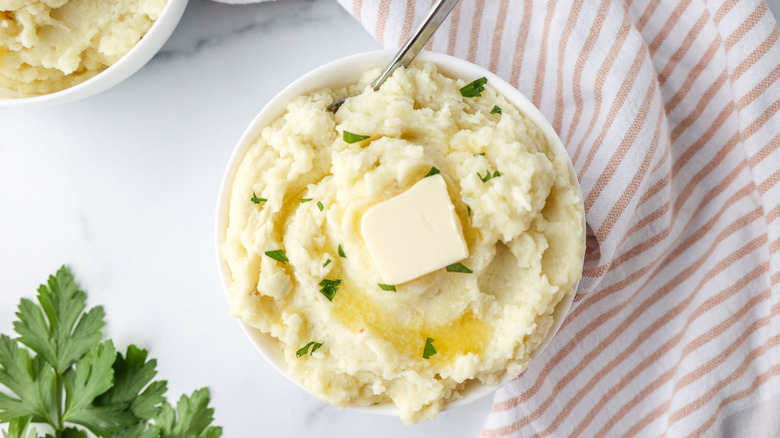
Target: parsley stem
{"points": [[58, 403]]}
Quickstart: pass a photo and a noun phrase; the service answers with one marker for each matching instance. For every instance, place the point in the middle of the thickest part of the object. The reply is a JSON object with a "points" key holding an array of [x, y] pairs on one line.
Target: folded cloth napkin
{"points": [[669, 110]]}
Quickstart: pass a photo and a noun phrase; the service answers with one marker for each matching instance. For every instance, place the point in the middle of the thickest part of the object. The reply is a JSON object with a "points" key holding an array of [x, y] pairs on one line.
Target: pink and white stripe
{"points": [[670, 111]]}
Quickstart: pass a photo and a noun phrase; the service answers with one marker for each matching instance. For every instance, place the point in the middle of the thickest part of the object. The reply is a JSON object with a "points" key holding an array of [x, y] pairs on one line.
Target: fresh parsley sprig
{"points": [[59, 372]]}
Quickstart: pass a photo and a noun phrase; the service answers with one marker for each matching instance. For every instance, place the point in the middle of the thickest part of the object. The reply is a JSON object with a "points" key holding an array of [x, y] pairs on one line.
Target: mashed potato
{"points": [[50, 45], [523, 228]]}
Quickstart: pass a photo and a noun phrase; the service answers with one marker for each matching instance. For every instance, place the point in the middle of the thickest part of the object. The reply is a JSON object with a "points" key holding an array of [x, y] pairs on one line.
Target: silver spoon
{"points": [[409, 51]]}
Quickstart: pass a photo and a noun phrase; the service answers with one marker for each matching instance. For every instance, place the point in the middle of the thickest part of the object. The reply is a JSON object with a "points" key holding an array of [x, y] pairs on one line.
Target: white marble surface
{"points": [[122, 187]]}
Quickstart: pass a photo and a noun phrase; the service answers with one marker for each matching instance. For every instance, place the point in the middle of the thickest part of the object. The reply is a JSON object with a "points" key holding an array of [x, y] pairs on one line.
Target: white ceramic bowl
{"points": [[341, 73], [131, 62]]}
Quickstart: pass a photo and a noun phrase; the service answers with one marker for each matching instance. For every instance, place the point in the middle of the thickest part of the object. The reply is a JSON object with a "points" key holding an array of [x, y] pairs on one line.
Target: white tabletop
{"points": [[122, 187]]}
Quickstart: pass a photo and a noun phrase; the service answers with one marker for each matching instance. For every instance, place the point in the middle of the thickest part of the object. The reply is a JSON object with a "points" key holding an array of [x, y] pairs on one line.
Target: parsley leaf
{"points": [[468, 209], [432, 172], [278, 255], [429, 349], [389, 287], [75, 379], [329, 288], [19, 428], [194, 417], [327, 262], [496, 110], [474, 89], [92, 376], [354, 138], [341, 251], [305, 349], [132, 390], [256, 200], [320, 206], [305, 200], [64, 333], [29, 379], [459, 267]]}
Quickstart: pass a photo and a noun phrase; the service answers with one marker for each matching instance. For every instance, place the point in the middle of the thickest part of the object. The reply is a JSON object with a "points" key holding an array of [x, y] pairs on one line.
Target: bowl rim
{"points": [[138, 55], [314, 81]]}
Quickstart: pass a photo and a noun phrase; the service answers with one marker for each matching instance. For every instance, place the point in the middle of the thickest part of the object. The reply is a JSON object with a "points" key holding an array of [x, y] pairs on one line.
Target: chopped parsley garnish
{"points": [[488, 176], [459, 267], [277, 255], [60, 371], [256, 200], [474, 89], [468, 209], [354, 138], [320, 206], [389, 287], [480, 154], [429, 349], [329, 288], [431, 172], [496, 110], [327, 262], [305, 200], [341, 251], [309, 348]]}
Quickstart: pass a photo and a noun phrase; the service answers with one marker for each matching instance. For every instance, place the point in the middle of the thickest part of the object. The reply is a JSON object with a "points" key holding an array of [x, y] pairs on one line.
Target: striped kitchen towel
{"points": [[669, 110]]}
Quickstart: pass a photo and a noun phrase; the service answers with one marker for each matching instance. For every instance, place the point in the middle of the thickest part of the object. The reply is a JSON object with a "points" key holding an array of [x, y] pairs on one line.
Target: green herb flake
{"points": [[354, 138], [488, 176], [459, 267], [277, 255], [481, 154], [432, 172], [59, 371], [468, 209], [474, 89], [341, 251], [388, 287], [329, 288], [320, 206], [256, 200], [305, 200], [496, 110], [429, 350], [327, 262], [309, 348]]}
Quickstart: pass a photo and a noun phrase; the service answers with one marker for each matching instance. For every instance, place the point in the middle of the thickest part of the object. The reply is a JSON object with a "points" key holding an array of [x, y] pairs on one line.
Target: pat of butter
{"points": [[414, 233]]}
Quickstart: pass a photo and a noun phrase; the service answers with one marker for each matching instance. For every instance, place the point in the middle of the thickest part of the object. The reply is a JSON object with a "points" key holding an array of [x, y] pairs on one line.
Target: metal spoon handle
{"points": [[418, 39]]}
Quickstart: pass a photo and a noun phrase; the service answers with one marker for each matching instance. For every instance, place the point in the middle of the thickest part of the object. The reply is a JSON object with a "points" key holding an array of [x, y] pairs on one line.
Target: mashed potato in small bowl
{"points": [[410, 252], [58, 51]]}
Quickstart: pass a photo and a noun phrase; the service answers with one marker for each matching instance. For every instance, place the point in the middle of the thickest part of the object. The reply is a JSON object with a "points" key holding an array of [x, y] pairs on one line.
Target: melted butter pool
{"points": [[356, 310]]}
